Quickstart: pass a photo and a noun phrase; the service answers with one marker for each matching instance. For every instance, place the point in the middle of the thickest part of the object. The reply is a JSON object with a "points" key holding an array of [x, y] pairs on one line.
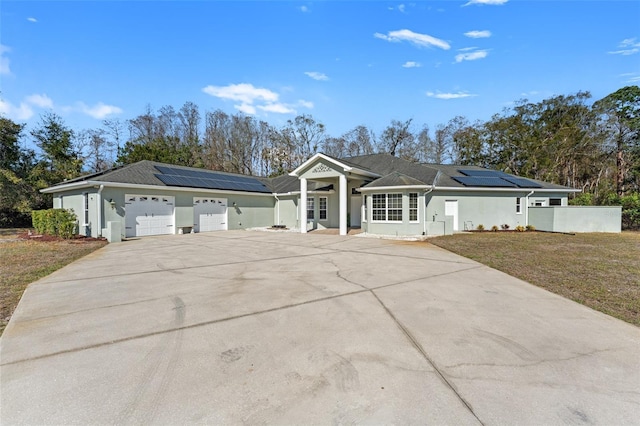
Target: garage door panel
{"points": [[210, 214], [148, 215]]}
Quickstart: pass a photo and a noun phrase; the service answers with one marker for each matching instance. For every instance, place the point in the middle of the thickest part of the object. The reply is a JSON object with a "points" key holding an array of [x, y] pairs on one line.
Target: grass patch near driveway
{"points": [[601, 271], [25, 261]]}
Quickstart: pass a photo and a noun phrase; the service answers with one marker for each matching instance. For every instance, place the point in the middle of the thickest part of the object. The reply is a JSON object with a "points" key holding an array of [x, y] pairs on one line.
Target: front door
{"points": [[356, 208], [451, 209]]}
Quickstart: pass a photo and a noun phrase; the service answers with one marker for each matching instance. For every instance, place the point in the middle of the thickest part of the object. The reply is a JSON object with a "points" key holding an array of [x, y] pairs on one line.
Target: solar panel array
{"points": [[493, 178], [209, 180]]}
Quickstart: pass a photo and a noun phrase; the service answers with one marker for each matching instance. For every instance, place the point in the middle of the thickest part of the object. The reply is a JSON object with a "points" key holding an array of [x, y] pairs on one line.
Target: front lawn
{"points": [[25, 261], [601, 271]]}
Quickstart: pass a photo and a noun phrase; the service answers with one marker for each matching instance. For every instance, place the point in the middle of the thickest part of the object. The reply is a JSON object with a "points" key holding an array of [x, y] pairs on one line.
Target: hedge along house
{"points": [[379, 193]]}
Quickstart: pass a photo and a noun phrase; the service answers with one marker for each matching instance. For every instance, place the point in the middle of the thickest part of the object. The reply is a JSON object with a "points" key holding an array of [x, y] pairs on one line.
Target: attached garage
{"points": [[209, 214], [148, 215]]}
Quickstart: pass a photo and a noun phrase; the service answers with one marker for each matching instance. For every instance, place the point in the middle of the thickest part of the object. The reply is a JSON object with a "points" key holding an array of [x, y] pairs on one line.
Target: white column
{"points": [[303, 205], [342, 190]]}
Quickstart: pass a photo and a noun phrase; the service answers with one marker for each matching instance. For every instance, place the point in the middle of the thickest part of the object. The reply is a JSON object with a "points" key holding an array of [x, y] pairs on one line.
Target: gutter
{"points": [[526, 211], [96, 183], [277, 209], [424, 211]]}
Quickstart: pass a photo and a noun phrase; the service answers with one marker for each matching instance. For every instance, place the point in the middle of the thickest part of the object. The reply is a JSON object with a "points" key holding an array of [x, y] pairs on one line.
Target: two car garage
{"points": [[155, 215]]}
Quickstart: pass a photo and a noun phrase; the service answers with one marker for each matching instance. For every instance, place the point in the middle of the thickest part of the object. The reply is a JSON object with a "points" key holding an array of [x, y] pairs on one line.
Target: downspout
{"points": [[526, 211], [424, 212], [277, 209], [100, 211]]}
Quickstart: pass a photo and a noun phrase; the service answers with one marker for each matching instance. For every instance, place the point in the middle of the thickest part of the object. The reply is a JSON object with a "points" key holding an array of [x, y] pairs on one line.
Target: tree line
{"points": [[567, 139]]}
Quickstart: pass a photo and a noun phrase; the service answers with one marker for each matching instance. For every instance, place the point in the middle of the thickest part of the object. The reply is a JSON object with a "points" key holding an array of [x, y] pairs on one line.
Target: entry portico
{"points": [[331, 171]]}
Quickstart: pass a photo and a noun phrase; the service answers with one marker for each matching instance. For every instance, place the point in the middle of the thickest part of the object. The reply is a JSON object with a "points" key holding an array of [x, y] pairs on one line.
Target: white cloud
{"points": [[22, 112], [401, 8], [304, 9], [100, 110], [421, 40], [41, 101], [306, 104], [32, 19], [277, 108], [489, 2], [4, 61], [478, 34], [243, 92], [251, 98], [447, 96], [628, 46], [471, 56], [411, 64], [317, 75]]}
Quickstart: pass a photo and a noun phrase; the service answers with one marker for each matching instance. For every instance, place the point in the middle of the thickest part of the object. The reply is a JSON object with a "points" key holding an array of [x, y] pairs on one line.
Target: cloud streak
{"points": [[447, 96], [317, 75], [471, 56], [417, 39], [628, 46], [411, 64], [32, 19], [99, 111], [487, 2], [478, 34]]}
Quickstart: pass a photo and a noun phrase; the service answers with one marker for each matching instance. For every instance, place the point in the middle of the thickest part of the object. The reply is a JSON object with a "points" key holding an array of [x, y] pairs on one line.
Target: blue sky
{"points": [[345, 63]]}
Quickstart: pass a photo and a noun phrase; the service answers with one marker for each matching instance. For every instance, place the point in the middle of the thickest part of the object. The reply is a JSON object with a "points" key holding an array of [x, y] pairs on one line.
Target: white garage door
{"points": [[148, 215], [209, 214]]}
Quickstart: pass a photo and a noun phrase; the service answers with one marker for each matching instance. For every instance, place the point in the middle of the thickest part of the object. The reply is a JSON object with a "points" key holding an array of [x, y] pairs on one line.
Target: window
{"points": [[310, 208], [364, 209], [85, 197], [413, 206], [555, 201], [519, 205], [322, 208], [387, 207], [540, 203]]}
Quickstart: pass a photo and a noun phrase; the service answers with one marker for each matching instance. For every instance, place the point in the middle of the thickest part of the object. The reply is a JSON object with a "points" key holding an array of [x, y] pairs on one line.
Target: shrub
{"points": [[480, 227], [494, 228], [520, 228], [531, 228], [504, 226], [58, 222]]}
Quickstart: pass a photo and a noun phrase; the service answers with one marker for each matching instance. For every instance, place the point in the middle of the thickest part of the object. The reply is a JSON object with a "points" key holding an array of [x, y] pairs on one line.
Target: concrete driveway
{"points": [[259, 327]]}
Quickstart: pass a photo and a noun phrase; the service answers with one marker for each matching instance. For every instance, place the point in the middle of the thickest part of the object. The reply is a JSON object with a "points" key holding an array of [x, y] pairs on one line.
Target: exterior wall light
{"points": [[112, 204]]}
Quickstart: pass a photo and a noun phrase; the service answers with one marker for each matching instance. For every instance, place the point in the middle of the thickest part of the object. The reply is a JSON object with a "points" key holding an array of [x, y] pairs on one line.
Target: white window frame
{"points": [[415, 209], [364, 208], [85, 208], [311, 208], [518, 205], [557, 200], [386, 208], [325, 209]]}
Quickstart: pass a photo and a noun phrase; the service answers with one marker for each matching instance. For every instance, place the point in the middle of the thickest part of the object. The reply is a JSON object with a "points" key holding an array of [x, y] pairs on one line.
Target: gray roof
{"points": [[394, 179], [394, 171]]}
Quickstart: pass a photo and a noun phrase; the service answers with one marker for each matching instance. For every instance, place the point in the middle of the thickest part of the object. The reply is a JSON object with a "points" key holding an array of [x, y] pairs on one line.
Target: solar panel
{"points": [[209, 180], [482, 173], [521, 182], [484, 181]]}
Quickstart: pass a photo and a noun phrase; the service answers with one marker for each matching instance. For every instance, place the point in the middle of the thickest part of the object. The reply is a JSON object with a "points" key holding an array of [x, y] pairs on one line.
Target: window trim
{"points": [[386, 208], [85, 208], [416, 208], [555, 200], [325, 210], [518, 205], [311, 201]]}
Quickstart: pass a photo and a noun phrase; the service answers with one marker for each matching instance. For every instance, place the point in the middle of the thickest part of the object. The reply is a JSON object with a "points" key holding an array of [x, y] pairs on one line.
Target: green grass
{"points": [[23, 262], [601, 271]]}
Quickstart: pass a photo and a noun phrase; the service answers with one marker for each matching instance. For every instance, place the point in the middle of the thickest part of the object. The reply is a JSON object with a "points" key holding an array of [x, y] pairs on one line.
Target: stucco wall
{"points": [[404, 228], [576, 219], [485, 208], [250, 210]]}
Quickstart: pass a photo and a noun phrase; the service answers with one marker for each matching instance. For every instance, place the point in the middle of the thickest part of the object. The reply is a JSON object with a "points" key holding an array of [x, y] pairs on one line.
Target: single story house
{"points": [[379, 193]]}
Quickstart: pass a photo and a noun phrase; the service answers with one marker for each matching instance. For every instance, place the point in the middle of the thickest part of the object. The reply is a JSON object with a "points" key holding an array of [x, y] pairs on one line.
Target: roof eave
{"points": [[484, 189], [394, 188]]}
